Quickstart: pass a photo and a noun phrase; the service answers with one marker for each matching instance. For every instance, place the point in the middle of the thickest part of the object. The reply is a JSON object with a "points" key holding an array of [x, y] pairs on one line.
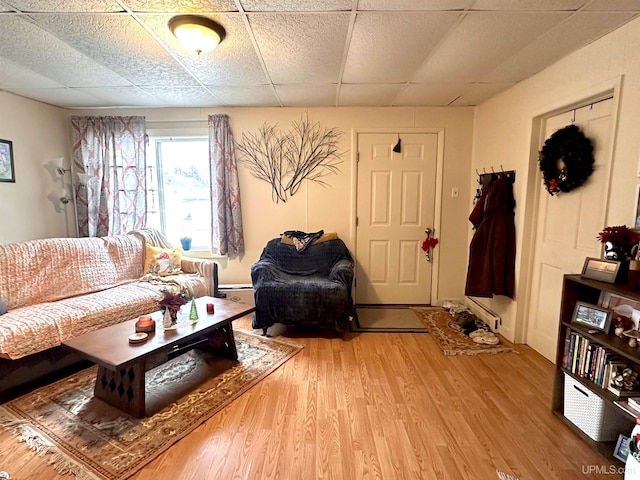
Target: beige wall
{"points": [[29, 207], [503, 136], [314, 207]]}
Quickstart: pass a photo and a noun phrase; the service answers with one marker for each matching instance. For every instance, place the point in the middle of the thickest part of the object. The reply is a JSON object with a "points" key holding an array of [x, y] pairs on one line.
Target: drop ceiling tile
{"points": [[25, 44], [482, 41], [120, 96], [531, 5], [578, 30], [183, 96], [478, 93], [631, 5], [261, 96], [233, 62], [181, 6], [367, 95], [383, 47], [414, 5], [295, 5], [17, 76], [301, 48], [120, 44], [66, 5], [61, 97], [307, 95], [429, 94]]}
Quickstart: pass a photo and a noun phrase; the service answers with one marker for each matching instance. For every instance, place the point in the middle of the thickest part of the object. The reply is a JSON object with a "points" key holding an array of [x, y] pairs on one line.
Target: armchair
{"points": [[309, 287]]}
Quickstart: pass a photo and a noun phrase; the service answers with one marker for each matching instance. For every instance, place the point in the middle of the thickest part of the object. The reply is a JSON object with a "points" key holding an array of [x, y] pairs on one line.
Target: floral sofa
{"points": [[59, 288]]}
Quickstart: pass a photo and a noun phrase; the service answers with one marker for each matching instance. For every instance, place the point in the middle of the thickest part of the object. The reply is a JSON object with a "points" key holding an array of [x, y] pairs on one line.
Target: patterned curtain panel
{"points": [[226, 215], [112, 152]]}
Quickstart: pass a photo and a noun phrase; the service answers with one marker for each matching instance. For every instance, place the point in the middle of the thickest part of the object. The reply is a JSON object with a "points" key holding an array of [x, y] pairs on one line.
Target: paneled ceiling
{"points": [[115, 53]]}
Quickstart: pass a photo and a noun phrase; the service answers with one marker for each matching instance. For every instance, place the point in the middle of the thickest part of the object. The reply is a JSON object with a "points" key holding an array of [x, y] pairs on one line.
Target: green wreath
{"points": [[566, 160]]}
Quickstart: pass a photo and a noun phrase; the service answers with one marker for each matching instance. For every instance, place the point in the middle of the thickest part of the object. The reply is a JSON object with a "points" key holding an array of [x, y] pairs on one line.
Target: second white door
{"points": [[568, 226]]}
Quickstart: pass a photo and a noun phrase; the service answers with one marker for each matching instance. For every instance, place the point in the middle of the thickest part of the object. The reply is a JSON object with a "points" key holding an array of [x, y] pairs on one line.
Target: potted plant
{"points": [[620, 242]]}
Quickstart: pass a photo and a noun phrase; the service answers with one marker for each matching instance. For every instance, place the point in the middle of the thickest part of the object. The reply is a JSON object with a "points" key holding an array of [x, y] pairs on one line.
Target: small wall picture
{"points": [[637, 222], [592, 316], [6, 162]]}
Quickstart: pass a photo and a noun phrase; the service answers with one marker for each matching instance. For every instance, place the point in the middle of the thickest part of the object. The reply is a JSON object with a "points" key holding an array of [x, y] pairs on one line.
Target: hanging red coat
{"points": [[492, 251]]}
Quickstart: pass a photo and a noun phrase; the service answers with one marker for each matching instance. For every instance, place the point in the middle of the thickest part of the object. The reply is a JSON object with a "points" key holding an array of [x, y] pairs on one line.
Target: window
{"points": [[178, 189]]}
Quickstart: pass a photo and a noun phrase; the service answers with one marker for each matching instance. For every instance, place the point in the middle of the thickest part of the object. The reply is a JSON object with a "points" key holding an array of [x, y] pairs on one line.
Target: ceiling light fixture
{"points": [[198, 34]]}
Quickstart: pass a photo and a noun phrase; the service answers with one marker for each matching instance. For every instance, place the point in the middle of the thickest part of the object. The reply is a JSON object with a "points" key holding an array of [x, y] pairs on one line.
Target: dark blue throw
{"points": [[312, 287]]}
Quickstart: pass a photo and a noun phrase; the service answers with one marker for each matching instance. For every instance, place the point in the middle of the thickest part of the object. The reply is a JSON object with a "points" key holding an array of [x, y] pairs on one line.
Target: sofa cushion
{"points": [[162, 261]]}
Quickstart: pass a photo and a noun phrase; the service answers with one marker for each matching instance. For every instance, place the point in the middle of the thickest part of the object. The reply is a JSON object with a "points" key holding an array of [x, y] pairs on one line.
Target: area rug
{"points": [[391, 319], [450, 337], [86, 437]]}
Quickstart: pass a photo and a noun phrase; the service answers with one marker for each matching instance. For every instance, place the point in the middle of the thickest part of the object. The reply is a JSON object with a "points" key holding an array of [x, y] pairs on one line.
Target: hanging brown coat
{"points": [[493, 248]]}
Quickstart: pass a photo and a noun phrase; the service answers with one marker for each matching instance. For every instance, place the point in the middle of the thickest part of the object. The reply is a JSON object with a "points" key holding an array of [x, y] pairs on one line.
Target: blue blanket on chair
{"points": [[308, 287]]}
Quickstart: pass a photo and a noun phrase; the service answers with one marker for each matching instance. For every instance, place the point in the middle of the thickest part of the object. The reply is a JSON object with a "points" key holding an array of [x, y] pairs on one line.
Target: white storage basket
{"points": [[596, 417]]}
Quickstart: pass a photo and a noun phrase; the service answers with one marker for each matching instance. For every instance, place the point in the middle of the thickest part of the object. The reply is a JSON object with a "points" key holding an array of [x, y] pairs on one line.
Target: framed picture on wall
{"points": [[637, 222], [7, 173]]}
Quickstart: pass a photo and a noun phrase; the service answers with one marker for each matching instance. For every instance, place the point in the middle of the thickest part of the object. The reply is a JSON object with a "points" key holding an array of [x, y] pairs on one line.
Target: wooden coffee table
{"points": [[122, 366]]}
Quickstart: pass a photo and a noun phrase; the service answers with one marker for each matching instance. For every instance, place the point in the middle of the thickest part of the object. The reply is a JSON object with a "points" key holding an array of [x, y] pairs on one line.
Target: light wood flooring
{"points": [[374, 406]]}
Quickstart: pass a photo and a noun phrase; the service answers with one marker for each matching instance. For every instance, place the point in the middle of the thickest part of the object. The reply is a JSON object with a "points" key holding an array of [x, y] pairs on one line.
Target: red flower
{"points": [[553, 185], [620, 235]]}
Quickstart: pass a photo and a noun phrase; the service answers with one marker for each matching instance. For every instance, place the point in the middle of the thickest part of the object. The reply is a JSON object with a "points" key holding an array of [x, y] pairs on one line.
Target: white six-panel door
{"points": [[567, 227], [395, 204]]}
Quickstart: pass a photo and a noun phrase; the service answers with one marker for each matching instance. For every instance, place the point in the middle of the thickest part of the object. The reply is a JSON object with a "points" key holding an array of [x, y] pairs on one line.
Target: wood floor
{"points": [[374, 406]]}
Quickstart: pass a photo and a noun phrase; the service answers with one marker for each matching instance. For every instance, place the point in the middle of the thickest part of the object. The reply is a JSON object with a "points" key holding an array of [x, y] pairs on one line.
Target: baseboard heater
{"points": [[483, 313], [242, 293]]}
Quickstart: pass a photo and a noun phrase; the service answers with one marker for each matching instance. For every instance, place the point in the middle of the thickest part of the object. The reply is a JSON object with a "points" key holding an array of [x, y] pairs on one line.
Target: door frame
{"points": [[437, 214], [600, 91]]}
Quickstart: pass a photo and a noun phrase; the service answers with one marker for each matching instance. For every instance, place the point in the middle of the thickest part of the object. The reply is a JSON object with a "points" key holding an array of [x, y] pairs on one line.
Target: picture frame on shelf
{"points": [[613, 301], [601, 269], [7, 172], [622, 448], [592, 316]]}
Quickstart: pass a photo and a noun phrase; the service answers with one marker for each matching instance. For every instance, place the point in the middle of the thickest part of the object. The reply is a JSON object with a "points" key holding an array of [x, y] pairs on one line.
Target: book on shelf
{"points": [[627, 407], [634, 402], [589, 360]]}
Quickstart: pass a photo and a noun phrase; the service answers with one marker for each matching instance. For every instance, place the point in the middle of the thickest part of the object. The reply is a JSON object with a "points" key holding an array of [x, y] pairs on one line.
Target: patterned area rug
{"points": [[92, 440], [450, 337]]}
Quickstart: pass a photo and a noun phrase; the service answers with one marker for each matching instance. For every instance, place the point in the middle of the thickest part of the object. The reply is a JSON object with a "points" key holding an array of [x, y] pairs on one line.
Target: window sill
{"points": [[205, 254]]}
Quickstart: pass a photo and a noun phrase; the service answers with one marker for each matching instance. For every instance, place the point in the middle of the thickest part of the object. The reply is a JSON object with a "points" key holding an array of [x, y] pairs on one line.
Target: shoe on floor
{"points": [[478, 333], [487, 339]]}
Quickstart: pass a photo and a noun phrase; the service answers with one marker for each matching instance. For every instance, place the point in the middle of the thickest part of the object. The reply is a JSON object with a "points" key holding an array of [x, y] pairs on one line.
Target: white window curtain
{"points": [[112, 152], [226, 214]]}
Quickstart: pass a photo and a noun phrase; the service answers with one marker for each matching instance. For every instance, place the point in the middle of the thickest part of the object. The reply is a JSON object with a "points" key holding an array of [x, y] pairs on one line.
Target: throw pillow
{"points": [[162, 261], [3, 309]]}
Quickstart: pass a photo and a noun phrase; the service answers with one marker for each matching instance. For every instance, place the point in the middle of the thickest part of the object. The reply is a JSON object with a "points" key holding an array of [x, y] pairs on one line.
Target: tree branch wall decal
{"points": [[307, 151]]}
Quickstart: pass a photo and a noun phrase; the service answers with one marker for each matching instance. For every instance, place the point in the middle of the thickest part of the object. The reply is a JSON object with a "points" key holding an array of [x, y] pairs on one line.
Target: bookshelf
{"points": [[575, 289]]}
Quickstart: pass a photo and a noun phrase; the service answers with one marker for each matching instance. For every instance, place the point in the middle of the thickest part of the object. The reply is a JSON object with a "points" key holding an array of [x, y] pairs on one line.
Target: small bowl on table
{"points": [[145, 324]]}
